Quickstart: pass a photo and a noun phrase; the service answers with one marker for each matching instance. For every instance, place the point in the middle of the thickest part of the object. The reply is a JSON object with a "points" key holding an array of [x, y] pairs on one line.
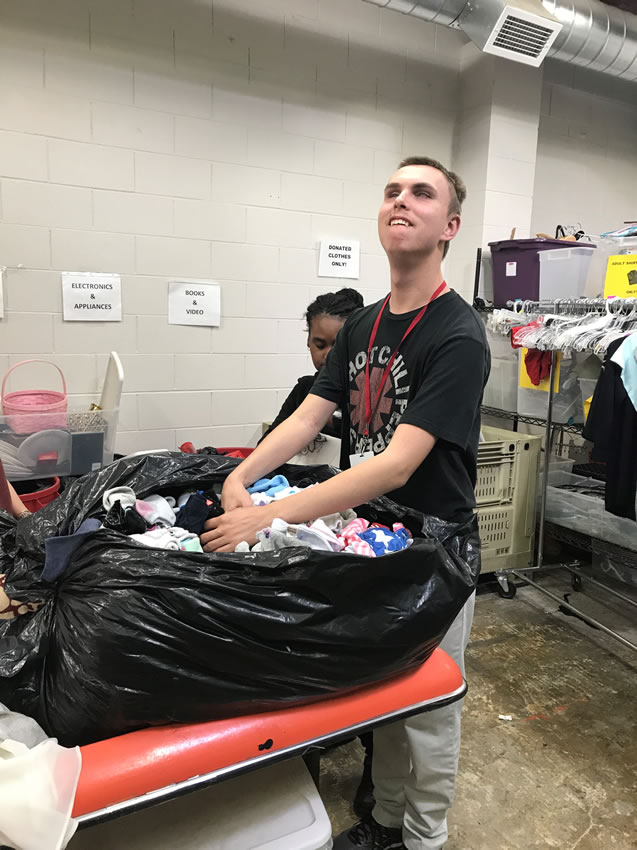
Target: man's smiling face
{"points": [[414, 215]]}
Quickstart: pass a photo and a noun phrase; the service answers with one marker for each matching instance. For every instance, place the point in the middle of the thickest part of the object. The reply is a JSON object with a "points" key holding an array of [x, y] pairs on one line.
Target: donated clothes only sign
{"points": [[91, 297], [339, 258]]}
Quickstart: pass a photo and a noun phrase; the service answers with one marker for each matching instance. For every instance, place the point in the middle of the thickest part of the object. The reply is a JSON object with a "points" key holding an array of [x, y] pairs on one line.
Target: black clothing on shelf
{"points": [[612, 428]]}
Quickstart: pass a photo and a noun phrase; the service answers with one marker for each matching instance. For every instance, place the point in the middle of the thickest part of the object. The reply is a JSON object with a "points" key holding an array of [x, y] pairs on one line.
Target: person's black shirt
{"points": [[436, 383]]}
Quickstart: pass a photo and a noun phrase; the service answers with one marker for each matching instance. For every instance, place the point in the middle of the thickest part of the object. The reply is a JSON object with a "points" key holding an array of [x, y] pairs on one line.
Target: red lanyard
{"points": [[385, 375]]}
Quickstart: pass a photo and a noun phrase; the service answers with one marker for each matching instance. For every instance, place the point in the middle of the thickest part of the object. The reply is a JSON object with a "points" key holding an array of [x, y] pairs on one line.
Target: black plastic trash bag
{"points": [[131, 636]]}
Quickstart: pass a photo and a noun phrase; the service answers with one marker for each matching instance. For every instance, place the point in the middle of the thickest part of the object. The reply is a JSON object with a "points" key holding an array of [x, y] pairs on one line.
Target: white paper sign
{"points": [[512, 270], [91, 297], [339, 258], [194, 303]]}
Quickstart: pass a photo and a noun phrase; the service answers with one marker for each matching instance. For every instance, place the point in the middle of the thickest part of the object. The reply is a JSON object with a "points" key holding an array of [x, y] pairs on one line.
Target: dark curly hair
{"points": [[339, 304]]}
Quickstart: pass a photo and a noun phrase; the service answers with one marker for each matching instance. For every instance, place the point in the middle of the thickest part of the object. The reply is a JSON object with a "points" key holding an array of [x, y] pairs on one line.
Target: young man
{"points": [[408, 374]]}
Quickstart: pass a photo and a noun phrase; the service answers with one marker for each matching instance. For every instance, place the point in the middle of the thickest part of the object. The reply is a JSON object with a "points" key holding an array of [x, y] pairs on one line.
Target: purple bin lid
{"points": [[535, 244]]}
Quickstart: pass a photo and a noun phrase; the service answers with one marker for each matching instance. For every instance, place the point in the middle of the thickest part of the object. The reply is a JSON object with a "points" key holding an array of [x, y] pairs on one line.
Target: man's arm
{"points": [[279, 446], [381, 474]]}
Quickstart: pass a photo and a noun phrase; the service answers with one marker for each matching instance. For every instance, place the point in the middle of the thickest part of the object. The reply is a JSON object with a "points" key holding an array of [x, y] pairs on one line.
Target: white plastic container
{"points": [[273, 808], [563, 272], [501, 390], [607, 246], [585, 512], [83, 443]]}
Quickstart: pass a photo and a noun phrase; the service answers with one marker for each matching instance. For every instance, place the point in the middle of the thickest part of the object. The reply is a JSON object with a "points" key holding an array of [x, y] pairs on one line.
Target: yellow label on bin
{"points": [[621, 276], [527, 384]]}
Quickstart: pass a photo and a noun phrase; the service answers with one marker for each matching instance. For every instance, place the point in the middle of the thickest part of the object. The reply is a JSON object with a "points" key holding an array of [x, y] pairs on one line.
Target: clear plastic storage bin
{"points": [[567, 401], [274, 808], [501, 390], [585, 512], [81, 442], [587, 388], [563, 272]]}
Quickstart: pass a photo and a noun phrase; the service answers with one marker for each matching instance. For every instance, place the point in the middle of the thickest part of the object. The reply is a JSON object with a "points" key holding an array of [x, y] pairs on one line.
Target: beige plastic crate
{"points": [[506, 498]]}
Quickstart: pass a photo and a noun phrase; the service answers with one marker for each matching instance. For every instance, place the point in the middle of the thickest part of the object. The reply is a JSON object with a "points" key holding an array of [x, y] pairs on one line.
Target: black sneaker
{"points": [[364, 801], [369, 835]]}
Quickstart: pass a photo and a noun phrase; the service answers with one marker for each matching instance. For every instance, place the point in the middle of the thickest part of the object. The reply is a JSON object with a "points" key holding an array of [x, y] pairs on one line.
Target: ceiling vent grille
{"points": [[523, 32], [522, 36]]}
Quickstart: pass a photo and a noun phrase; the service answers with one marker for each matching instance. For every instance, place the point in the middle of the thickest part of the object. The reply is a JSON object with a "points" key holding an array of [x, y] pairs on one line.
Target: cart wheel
{"points": [[576, 582], [508, 591]]}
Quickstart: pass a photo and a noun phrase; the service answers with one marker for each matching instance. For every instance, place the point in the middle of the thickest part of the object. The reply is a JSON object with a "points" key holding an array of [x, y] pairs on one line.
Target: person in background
{"points": [[325, 317]]}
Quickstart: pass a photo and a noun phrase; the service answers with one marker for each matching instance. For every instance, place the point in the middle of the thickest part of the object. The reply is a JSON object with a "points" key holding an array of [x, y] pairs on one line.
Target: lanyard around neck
{"points": [[369, 411]]}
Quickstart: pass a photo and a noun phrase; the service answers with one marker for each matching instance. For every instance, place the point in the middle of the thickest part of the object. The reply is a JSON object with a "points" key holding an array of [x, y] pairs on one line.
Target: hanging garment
{"points": [[538, 365], [612, 428], [626, 359]]}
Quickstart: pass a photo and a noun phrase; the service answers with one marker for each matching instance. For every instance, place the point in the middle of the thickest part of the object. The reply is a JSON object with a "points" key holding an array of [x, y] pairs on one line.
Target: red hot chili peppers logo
{"points": [[386, 410]]}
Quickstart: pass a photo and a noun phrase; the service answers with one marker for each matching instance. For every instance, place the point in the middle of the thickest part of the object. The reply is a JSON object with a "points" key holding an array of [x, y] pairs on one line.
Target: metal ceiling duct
{"points": [[593, 35], [521, 30]]}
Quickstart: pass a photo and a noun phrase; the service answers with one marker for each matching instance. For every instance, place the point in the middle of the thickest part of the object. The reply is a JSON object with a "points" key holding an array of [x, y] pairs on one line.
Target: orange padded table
{"points": [[132, 771]]}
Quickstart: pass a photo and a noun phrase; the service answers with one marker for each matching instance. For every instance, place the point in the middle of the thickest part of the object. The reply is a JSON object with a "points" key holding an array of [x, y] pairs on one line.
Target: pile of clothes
{"points": [[339, 532], [162, 522], [175, 524]]}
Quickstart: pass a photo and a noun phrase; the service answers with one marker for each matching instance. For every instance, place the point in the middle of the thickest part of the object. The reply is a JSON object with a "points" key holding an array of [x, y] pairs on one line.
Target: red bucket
{"points": [[28, 411], [37, 499]]}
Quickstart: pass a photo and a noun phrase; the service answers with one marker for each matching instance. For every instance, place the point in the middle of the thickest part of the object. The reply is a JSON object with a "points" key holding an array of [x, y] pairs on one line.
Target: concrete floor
{"points": [[563, 772]]}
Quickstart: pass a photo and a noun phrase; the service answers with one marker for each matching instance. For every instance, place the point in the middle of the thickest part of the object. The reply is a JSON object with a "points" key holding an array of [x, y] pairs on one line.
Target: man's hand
{"points": [[234, 495], [223, 533]]}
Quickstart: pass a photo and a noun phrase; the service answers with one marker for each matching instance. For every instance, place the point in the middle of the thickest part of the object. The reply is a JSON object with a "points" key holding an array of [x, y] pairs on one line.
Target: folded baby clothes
{"points": [[156, 510], [191, 544], [194, 513], [125, 520], [157, 538], [124, 495], [382, 540], [353, 543], [269, 486], [175, 539], [337, 522], [264, 498]]}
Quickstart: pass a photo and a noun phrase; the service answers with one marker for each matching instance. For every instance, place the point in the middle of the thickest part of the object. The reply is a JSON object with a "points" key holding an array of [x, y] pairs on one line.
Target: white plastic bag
{"points": [[37, 786]]}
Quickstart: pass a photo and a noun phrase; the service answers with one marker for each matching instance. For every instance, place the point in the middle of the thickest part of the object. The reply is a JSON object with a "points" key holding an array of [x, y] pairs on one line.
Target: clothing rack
{"points": [[573, 306]]}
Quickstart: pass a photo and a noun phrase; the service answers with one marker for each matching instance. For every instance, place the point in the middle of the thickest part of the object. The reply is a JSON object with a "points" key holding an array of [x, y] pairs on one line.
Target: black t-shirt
{"points": [[436, 383]]}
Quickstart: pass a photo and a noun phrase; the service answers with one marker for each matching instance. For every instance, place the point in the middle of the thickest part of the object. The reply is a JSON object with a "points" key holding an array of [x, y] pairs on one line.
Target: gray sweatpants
{"points": [[416, 760]]}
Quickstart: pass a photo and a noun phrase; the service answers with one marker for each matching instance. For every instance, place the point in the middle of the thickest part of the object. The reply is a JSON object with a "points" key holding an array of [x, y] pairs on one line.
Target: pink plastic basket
{"points": [[28, 411]]}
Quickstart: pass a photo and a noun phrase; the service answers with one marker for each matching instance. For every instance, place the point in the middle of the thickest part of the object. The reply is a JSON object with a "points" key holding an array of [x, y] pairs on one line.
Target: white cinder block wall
{"points": [[586, 167], [204, 139]]}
